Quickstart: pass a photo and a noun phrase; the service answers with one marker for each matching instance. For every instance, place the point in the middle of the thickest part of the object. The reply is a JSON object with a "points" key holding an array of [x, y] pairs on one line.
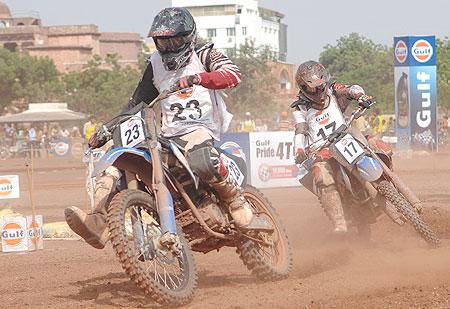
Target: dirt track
{"points": [[395, 270]]}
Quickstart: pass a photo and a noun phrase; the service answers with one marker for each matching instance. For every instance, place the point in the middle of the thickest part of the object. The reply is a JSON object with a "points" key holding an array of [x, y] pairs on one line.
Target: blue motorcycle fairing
{"points": [[369, 168], [111, 156]]}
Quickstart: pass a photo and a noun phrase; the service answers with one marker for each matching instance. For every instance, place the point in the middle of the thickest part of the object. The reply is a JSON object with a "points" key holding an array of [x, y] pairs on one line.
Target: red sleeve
{"points": [[220, 73], [220, 79]]}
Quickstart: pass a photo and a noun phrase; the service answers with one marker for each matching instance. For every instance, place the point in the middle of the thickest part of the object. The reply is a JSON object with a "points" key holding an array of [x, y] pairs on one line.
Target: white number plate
{"points": [[349, 148], [132, 131]]}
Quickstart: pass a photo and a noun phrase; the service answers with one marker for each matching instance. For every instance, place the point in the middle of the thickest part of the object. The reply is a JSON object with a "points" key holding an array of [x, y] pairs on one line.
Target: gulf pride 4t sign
{"points": [[415, 91]]}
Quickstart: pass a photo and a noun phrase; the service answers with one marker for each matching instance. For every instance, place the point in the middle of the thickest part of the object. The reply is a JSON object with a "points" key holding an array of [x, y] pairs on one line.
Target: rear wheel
{"points": [[269, 255], [168, 278], [410, 214]]}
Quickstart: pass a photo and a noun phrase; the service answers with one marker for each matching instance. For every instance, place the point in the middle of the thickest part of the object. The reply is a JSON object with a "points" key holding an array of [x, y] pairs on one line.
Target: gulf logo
{"points": [[31, 227], [233, 148], [13, 234], [61, 148], [6, 187], [422, 51], [185, 93], [401, 51], [322, 118]]}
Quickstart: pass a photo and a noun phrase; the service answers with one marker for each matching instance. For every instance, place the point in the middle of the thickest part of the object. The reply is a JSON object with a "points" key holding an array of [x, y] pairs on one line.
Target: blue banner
{"points": [[415, 91], [423, 110], [239, 143]]}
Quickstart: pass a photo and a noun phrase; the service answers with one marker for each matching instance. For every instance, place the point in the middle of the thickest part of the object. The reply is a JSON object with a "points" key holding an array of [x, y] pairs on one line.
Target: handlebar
{"points": [[311, 151]]}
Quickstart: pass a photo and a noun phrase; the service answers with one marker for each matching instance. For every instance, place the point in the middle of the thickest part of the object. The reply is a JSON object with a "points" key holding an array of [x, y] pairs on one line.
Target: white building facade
{"points": [[229, 23]]}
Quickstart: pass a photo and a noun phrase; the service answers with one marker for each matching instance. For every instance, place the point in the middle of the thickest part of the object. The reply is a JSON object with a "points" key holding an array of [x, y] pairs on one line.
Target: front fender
{"points": [[111, 156]]}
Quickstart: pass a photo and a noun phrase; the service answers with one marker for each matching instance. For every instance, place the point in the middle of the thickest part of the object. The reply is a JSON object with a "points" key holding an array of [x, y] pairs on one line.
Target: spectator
{"points": [[284, 124], [248, 125], [89, 128], [75, 132], [376, 123], [33, 142]]}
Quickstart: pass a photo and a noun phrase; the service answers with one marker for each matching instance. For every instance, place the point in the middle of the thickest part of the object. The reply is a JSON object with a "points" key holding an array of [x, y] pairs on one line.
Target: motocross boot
{"points": [[241, 211], [92, 227], [332, 205]]}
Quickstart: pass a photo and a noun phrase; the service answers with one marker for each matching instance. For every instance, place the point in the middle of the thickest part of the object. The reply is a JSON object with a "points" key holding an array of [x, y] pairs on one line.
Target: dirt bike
{"points": [[366, 182], [163, 212]]}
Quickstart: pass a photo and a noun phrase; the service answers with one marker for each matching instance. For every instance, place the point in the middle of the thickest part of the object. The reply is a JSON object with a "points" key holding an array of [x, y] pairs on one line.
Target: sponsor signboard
{"points": [[19, 233], [415, 91], [14, 234], [35, 233], [9, 187], [272, 159]]}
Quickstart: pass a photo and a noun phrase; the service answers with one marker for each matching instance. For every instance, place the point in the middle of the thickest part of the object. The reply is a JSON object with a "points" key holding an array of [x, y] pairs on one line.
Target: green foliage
{"points": [[443, 71], [101, 90], [29, 78], [256, 91], [357, 60]]}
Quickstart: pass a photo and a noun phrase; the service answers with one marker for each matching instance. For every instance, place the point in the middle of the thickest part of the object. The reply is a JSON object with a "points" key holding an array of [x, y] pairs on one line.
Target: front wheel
{"points": [[269, 255], [410, 214], [168, 278]]}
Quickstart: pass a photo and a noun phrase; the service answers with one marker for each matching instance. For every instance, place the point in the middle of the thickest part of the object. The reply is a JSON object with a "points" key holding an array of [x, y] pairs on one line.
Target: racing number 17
{"points": [[322, 133]]}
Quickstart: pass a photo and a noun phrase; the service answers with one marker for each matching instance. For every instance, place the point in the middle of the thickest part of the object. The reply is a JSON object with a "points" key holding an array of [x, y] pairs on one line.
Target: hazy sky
{"points": [[311, 24]]}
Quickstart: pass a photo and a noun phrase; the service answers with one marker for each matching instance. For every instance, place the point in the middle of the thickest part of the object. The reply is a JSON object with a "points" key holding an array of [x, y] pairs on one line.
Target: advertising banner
{"points": [[424, 109], [415, 91], [272, 159], [402, 106], [9, 187], [35, 233], [14, 233], [240, 145]]}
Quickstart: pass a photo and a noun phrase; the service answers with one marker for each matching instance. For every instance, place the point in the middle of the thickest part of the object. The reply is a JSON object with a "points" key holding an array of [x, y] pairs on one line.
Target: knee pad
{"points": [[204, 162], [323, 174]]}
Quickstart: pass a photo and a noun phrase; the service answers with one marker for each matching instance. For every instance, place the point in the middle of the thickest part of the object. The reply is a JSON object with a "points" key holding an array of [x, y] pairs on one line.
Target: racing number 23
{"points": [[132, 134], [195, 112]]}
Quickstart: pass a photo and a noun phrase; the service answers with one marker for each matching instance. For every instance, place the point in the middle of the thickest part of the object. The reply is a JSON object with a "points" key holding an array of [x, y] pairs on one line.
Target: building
{"points": [[70, 47], [229, 23]]}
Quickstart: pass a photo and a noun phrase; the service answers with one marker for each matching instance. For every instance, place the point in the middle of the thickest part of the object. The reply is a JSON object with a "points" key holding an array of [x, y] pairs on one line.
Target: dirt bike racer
{"points": [[318, 112], [192, 119]]}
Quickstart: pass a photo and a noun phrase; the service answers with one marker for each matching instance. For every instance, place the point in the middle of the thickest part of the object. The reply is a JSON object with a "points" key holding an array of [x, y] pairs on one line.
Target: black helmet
{"points": [[174, 33], [313, 80]]}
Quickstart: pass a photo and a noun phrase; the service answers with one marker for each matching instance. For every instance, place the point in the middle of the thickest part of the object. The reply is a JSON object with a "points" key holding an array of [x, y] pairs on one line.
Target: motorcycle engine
{"points": [[213, 215]]}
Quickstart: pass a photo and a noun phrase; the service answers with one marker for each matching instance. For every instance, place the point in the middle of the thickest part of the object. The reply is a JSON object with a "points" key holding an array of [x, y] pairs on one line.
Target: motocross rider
{"points": [[191, 119], [318, 112]]}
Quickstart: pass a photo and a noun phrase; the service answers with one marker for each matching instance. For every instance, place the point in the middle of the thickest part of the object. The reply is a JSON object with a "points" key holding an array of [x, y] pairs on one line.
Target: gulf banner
{"points": [[9, 187], [415, 91], [272, 159], [19, 233]]}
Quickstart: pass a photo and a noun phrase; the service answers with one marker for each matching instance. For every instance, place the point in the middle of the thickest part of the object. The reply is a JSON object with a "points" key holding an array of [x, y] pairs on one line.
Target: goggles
{"points": [[171, 45]]}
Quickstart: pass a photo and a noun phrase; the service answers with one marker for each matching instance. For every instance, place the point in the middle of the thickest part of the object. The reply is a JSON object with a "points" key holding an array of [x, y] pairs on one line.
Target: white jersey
{"points": [[186, 112], [320, 123]]}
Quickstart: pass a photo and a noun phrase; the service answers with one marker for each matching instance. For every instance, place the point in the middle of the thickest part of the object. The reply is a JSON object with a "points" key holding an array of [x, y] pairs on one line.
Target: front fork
{"points": [[164, 200]]}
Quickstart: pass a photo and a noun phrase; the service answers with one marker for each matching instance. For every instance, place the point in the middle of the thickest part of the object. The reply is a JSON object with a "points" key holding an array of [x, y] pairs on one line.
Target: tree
{"points": [[30, 78], [256, 91], [357, 60], [101, 90], [443, 73]]}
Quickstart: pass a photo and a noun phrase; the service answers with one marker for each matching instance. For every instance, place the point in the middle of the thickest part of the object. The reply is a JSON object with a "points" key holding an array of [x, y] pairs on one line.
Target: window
{"points": [[231, 31], [211, 33], [244, 30], [230, 52]]}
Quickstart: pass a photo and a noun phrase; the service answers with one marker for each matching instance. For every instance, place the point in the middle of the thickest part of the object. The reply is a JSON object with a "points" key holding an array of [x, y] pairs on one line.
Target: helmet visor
{"points": [[171, 45]]}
